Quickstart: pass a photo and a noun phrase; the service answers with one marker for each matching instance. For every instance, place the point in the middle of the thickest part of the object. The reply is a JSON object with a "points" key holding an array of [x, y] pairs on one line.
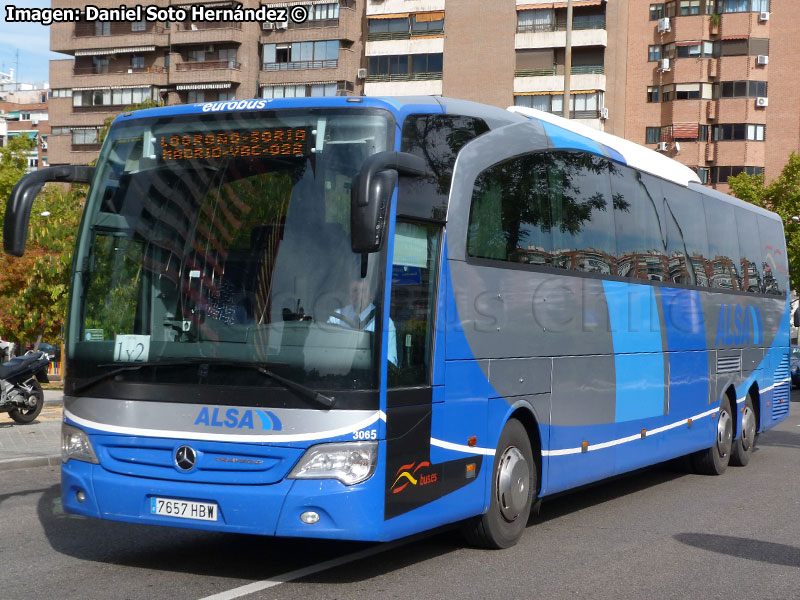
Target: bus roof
{"points": [[634, 155]]}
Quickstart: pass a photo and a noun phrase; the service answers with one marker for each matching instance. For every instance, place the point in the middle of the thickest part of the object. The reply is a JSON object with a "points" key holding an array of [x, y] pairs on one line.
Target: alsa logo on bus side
{"points": [[234, 105], [739, 325], [234, 418]]}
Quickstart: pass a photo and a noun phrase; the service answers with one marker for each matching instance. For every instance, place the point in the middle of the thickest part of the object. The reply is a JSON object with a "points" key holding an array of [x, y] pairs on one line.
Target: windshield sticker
{"points": [[131, 348]]}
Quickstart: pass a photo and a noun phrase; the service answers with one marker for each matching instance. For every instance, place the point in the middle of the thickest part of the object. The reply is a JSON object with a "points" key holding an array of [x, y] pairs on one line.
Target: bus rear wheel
{"points": [[743, 447], [513, 487], [715, 460]]}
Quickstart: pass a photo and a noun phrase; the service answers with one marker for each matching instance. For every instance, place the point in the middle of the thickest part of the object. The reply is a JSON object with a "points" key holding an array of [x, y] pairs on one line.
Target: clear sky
{"points": [[33, 42]]}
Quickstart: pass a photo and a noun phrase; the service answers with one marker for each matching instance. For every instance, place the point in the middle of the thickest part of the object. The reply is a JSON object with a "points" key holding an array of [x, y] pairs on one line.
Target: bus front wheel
{"points": [[715, 460], [513, 487]]}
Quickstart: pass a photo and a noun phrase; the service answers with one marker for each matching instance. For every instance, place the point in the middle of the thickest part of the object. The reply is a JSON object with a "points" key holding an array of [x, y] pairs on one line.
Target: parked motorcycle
{"points": [[21, 394]]}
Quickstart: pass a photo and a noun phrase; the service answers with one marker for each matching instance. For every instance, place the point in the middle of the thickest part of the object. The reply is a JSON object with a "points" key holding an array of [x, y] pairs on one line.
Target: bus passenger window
{"points": [[510, 216], [723, 245], [686, 236], [749, 251], [413, 302], [582, 208], [637, 214], [773, 257]]}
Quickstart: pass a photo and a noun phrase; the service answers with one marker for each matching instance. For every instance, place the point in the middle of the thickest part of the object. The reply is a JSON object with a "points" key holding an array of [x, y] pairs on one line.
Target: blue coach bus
{"points": [[361, 318]]}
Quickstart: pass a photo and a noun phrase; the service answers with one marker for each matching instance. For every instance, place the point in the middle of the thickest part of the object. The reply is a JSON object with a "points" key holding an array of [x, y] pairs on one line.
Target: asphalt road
{"points": [[656, 534]]}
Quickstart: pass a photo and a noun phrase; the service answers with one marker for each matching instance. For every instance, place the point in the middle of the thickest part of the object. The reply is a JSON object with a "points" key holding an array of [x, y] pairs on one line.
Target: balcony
{"points": [[598, 22], [403, 77], [66, 39], [559, 70], [119, 76], [300, 65], [211, 71], [207, 33], [558, 38]]}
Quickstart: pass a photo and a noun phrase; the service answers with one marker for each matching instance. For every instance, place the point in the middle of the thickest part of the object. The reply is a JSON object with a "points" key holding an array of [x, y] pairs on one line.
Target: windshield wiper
{"points": [[302, 390]]}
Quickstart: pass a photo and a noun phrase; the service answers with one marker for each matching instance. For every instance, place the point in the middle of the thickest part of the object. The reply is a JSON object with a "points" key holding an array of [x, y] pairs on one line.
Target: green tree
{"points": [[782, 195], [13, 165]]}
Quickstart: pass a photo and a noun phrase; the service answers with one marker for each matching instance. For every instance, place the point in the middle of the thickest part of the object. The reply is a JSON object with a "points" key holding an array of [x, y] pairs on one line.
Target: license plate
{"points": [[181, 509]]}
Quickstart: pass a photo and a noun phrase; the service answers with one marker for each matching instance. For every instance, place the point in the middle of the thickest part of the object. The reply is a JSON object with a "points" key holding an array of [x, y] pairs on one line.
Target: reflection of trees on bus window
{"points": [[437, 139], [549, 208]]}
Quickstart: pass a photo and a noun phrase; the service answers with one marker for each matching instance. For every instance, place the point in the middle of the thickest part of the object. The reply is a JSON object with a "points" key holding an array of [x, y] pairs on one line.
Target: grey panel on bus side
{"points": [[520, 376]]}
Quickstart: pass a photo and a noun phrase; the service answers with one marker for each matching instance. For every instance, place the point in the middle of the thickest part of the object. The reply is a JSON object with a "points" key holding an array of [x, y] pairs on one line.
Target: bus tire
{"points": [[715, 460], [513, 487], [743, 447]]}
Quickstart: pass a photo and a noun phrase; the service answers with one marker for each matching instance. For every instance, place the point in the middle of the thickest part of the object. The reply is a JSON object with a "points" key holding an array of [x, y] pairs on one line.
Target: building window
{"points": [[61, 93], [102, 28], [734, 6], [225, 96], [704, 173], [323, 12], [301, 90], [690, 7], [654, 53], [195, 97], [139, 25], [137, 62], [684, 50], [738, 132], [703, 133], [388, 29], [652, 135], [536, 20], [414, 66], [115, 97], [84, 136], [721, 174], [582, 105], [427, 23], [100, 65], [301, 55], [652, 93], [656, 11], [740, 89]]}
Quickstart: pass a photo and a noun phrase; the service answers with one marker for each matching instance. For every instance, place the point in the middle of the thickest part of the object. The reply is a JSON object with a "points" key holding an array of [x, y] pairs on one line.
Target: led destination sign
{"points": [[266, 142]]}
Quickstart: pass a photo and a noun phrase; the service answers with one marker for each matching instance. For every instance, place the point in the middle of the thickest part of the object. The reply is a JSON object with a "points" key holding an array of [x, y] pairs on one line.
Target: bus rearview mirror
{"points": [[20, 202], [372, 194]]}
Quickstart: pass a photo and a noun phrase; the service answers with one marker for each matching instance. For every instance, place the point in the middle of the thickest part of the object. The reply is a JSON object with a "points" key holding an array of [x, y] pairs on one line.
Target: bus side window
{"points": [[686, 236], [773, 256], [437, 139], [749, 251], [510, 216], [582, 207], [640, 245], [723, 244]]}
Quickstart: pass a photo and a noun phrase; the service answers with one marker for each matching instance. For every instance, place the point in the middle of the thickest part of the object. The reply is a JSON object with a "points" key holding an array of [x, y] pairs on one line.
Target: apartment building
{"points": [[27, 120], [116, 64], [712, 84]]}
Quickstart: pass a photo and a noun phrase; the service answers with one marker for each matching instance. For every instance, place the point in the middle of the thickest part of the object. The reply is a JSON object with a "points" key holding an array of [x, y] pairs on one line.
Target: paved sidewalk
{"points": [[37, 444]]}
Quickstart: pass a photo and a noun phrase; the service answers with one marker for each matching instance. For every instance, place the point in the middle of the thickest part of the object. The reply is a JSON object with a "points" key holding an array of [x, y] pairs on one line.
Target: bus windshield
{"points": [[217, 243]]}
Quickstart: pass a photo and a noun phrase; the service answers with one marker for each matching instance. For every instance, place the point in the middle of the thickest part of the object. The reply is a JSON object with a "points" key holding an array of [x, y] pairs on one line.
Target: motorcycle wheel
{"points": [[26, 415]]}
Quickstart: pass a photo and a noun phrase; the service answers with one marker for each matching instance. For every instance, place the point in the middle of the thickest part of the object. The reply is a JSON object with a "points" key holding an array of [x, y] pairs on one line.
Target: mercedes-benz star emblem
{"points": [[185, 458]]}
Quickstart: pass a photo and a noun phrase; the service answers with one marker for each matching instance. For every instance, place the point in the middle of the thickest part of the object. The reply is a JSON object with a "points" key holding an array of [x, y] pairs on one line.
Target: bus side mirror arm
{"points": [[371, 194], [20, 202]]}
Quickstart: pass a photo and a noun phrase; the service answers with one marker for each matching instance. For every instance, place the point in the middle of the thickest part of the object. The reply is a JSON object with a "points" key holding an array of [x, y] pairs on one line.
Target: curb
{"points": [[10, 464]]}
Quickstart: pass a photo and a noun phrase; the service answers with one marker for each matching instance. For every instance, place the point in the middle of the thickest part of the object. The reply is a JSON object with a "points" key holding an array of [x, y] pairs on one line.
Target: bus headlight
{"points": [[75, 444], [349, 462]]}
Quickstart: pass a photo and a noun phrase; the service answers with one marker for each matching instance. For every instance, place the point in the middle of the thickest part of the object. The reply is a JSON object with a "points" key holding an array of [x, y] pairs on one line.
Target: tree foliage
{"points": [[782, 195], [33, 288]]}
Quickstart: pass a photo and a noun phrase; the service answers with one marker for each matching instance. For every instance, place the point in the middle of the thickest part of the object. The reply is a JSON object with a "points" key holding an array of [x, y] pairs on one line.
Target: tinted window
{"points": [[751, 269], [511, 218], [723, 244], [437, 139], [687, 247], [773, 256], [637, 208]]}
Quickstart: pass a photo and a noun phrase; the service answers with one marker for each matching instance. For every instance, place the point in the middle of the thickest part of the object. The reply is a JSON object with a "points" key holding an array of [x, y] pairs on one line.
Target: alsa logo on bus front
{"points": [[739, 325], [234, 418]]}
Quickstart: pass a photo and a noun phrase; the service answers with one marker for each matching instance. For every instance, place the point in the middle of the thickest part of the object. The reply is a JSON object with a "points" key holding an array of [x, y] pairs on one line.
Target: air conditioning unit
{"points": [[762, 102], [762, 60], [604, 113], [362, 74], [763, 16], [44, 145], [664, 64], [663, 25], [35, 122], [662, 146], [268, 25], [282, 25]]}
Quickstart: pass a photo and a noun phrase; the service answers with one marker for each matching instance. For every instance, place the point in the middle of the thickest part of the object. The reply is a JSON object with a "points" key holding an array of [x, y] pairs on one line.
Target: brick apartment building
{"points": [[27, 119], [116, 64], [708, 82]]}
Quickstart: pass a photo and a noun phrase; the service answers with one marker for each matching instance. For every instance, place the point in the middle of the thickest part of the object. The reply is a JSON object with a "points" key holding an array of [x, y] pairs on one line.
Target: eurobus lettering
{"points": [[362, 318]]}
